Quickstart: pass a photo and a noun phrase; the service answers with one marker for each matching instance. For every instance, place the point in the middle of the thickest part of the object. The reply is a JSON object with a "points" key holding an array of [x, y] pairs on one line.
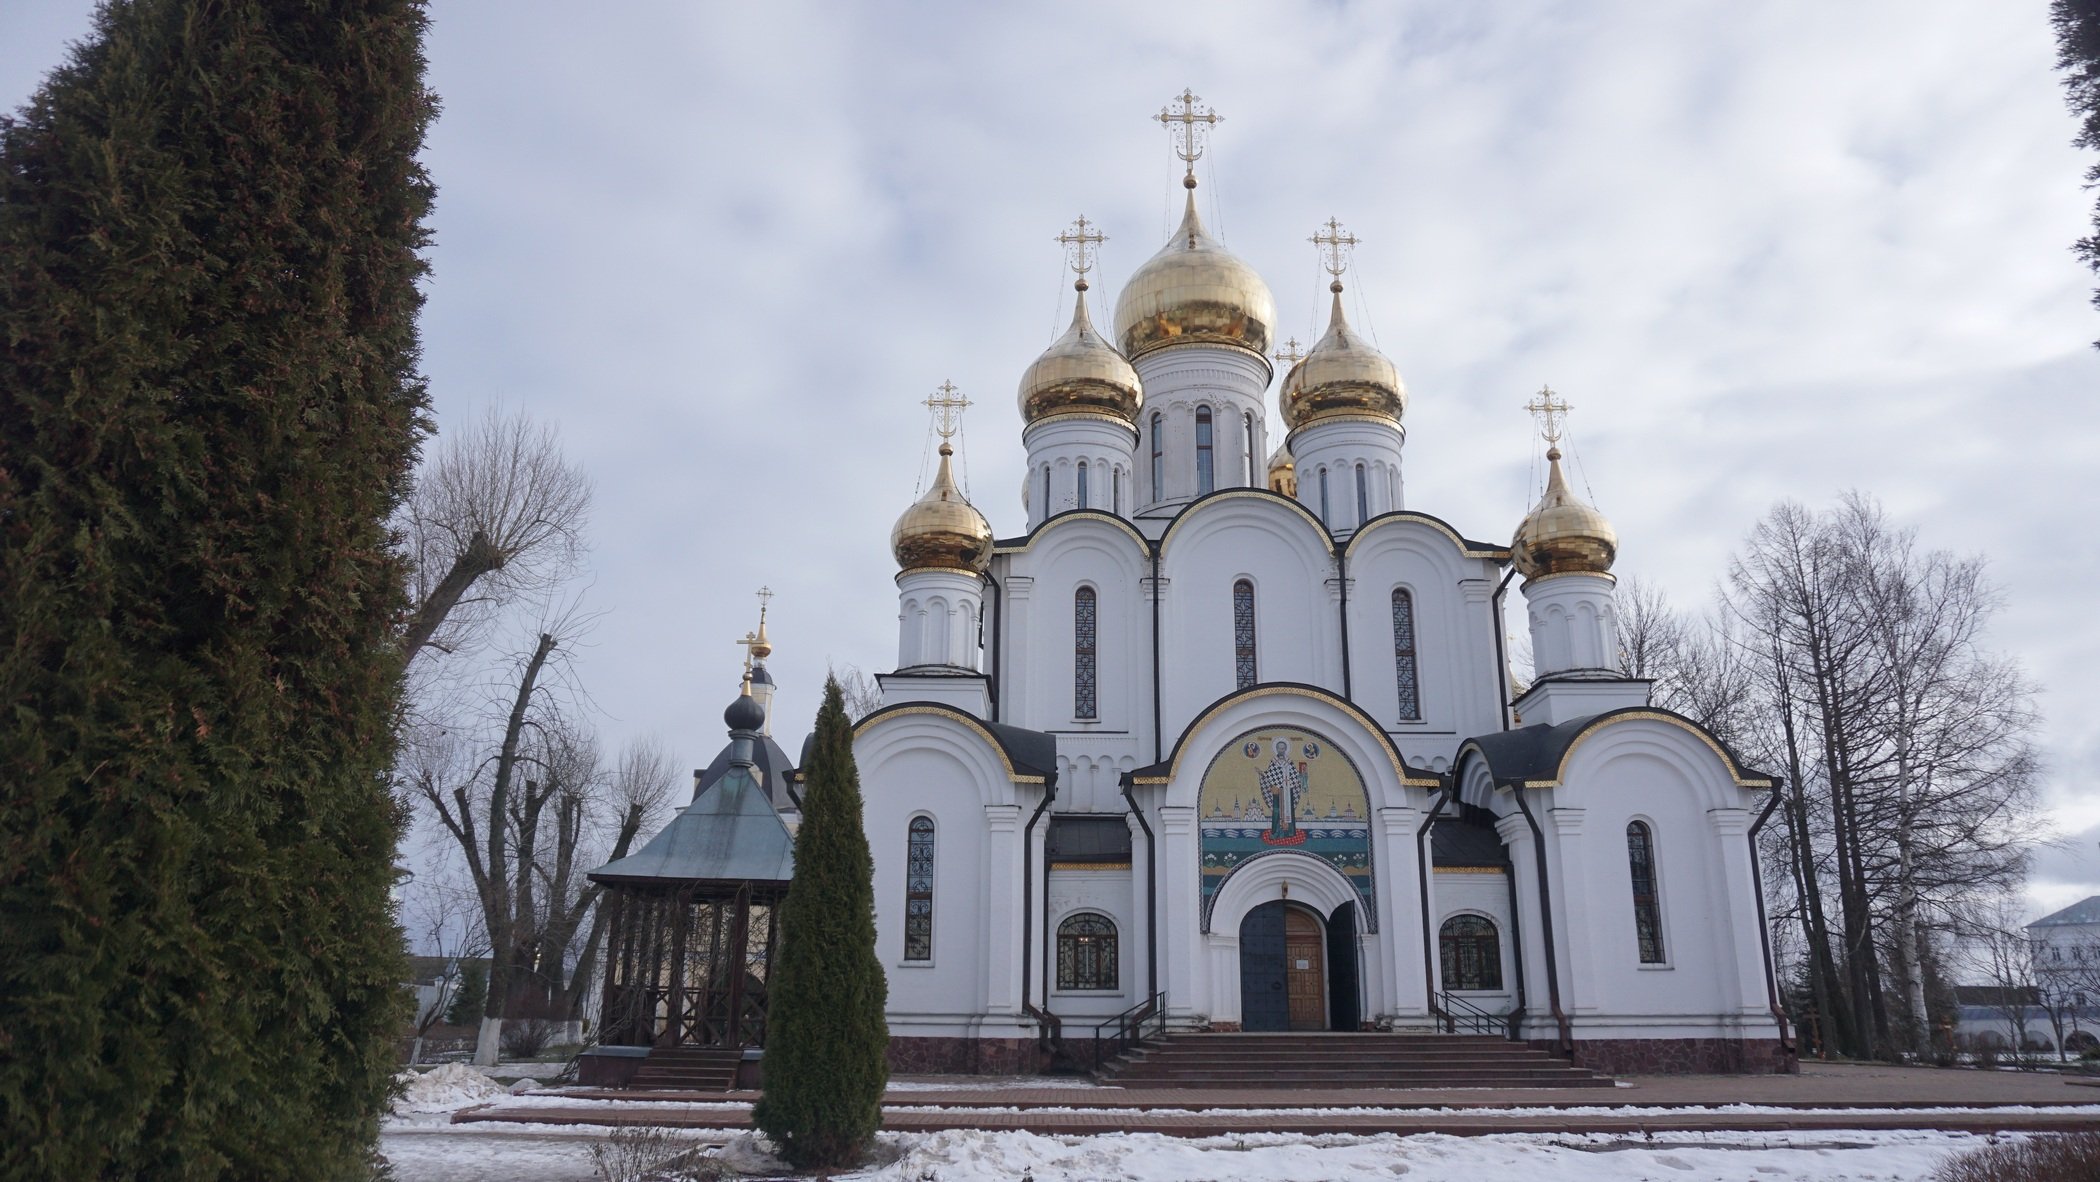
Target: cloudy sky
{"points": [[1767, 250]]}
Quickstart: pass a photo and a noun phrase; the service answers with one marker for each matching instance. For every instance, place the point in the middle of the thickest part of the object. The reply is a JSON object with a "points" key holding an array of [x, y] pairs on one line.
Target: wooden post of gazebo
{"points": [[692, 931]]}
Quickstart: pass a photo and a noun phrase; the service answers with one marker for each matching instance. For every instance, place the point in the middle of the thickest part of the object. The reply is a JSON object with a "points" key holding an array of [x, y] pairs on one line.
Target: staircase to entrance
{"points": [[689, 1069], [1343, 1060]]}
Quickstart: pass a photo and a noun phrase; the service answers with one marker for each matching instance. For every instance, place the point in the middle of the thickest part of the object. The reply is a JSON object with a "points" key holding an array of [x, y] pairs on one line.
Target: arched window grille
{"points": [[1082, 484], [1647, 914], [1206, 472], [1404, 663], [1243, 633], [1325, 518], [1086, 952], [1363, 497], [1248, 421], [918, 890], [1471, 951], [1083, 631], [1159, 457]]}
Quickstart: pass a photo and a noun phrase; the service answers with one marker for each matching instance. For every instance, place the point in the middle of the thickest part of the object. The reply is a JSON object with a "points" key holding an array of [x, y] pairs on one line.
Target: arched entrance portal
{"points": [[1297, 970]]}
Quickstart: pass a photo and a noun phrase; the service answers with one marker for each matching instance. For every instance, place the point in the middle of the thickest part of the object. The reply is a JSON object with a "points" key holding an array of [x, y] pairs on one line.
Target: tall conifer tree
{"points": [[210, 229], [2077, 24], [826, 1041]]}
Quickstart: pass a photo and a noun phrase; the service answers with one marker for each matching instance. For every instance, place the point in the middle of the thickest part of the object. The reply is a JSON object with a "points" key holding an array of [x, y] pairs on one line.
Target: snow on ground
{"points": [[445, 1088], [550, 1153]]}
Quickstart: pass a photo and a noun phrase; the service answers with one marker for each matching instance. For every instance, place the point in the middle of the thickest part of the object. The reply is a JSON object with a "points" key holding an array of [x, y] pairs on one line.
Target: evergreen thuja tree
{"points": [[211, 222], [826, 1042]]}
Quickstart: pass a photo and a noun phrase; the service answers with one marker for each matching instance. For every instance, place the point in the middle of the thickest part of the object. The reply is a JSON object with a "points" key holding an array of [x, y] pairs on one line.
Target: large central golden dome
{"points": [[1194, 290]]}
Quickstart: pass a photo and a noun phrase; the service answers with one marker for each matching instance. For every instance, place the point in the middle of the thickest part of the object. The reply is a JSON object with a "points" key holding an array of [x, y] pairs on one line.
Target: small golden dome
{"points": [[1194, 290], [1283, 471], [1562, 536], [1342, 375], [942, 531], [1080, 373]]}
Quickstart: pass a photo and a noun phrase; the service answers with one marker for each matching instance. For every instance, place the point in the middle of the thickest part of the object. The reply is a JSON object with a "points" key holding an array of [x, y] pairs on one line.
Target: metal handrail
{"points": [[1458, 1010], [1130, 1027]]}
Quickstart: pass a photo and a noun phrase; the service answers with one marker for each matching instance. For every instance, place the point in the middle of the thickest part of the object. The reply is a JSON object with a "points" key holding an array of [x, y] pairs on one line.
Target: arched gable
{"points": [[1070, 517], [1234, 506], [1369, 747], [1550, 756], [996, 762], [1409, 521]]}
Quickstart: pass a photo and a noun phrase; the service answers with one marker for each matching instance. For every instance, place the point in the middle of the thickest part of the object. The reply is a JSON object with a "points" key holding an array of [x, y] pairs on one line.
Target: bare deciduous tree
{"points": [[496, 515]]}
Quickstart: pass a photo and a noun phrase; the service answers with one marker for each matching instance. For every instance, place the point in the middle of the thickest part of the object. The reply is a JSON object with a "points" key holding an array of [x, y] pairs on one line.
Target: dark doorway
{"points": [[1342, 1004], [1263, 1004], [1285, 970]]}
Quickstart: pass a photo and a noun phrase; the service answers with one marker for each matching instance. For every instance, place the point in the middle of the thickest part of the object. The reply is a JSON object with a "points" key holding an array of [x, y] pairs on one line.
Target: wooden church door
{"points": [[1305, 947]]}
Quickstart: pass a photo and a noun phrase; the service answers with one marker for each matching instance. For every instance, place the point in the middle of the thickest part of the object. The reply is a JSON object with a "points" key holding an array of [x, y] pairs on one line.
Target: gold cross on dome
{"points": [[1195, 119], [1292, 352], [765, 597], [1081, 243], [1335, 245], [1549, 409], [947, 405]]}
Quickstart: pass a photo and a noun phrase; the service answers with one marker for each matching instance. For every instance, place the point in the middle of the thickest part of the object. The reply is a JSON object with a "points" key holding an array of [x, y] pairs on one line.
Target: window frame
{"points": [[1086, 647], [1206, 451], [1159, 456], [1079, 475], [1452, 966], [1107, 949], [1654, 938], [917, 824], [1407, 661], [1246, 637]]}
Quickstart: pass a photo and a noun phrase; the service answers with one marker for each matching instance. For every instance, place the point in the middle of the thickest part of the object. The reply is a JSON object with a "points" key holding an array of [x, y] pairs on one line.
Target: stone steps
{"points": [[1242, 1061]]}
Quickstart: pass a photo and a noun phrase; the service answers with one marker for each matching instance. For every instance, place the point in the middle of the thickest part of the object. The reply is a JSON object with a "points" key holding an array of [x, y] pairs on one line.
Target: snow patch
{"points": [[445, 1089]]}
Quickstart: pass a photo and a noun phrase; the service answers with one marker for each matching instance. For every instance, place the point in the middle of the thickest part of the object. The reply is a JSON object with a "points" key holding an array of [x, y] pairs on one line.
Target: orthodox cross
{"points": [[1291, 352], [947, 405], [1196, 120], [1081, 243], [1549, 409], [756, 646], [1335, 245]]}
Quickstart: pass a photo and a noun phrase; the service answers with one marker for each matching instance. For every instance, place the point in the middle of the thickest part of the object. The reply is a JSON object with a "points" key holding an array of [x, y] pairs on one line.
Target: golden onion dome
{"points": [[1194, 290], [1080, 374], [942, 531], [1562, 536], [1343, 376], [1283, 471]]}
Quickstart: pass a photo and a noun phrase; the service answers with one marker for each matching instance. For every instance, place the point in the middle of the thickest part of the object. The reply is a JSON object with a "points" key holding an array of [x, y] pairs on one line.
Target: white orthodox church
{"points": [[1230, 732]]}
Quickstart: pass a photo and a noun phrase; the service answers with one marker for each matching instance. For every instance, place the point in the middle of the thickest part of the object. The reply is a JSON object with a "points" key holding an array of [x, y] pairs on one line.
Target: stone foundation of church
{"points": [[1682, 1056], [966, 1056]]}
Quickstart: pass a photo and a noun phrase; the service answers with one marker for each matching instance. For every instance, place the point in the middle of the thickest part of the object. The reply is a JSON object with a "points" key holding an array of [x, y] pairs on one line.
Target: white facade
{"points": [[1113, 694]]}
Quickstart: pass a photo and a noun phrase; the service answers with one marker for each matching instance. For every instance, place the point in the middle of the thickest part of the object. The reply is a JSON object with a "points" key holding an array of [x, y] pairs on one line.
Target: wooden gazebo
{"points": [[693, 922]]}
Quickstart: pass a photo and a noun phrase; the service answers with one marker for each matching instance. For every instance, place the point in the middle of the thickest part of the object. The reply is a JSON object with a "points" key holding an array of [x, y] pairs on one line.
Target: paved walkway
{"points": [[1832, 1097]]}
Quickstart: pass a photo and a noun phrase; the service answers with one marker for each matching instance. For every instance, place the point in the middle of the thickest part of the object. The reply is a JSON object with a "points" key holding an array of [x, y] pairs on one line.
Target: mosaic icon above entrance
{"points": [[1281, 791]]}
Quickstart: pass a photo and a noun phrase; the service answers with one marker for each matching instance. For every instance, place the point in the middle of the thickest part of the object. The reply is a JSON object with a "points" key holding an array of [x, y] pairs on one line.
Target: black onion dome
{"points": [[745, 714]]}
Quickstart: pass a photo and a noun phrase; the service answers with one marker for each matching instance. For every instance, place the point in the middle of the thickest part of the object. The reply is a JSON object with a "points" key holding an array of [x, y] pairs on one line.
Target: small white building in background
{"points": [[2064, 952], [1233, 728]]}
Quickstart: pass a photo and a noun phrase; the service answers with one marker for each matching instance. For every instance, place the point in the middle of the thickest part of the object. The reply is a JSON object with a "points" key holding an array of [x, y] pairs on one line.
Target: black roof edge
{"points": [[1027, 750], [1558, 743]]}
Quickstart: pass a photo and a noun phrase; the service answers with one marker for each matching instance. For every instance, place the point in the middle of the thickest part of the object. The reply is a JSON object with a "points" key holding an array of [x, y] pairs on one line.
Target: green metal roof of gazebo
{"points": [[729, 834]]}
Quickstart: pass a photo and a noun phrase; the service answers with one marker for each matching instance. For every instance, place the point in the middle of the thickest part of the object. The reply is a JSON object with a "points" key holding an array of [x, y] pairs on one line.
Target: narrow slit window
{"points": [[1206, 472], [1248, 421], [918, 890], [1159, 458], [1325, 518], [1243, 633], [1115, 490], [1046, 490], [1082, 484], [1084, 617], [1363, 497], [1647, 914], [1405, 666]]}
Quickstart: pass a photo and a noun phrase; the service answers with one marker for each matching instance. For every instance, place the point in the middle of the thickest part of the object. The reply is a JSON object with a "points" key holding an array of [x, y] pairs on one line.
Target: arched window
{"points": [[1323, 500], [1086, 952], [1159, 457], [1082, 484], [1252, 459], [918, 890], [1243, 633], [1046, 490], [1647, 915], [1083, 626], [1404, 654], [1472, 953], [1363, 497], [1206, 473], [1115, 490]]}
